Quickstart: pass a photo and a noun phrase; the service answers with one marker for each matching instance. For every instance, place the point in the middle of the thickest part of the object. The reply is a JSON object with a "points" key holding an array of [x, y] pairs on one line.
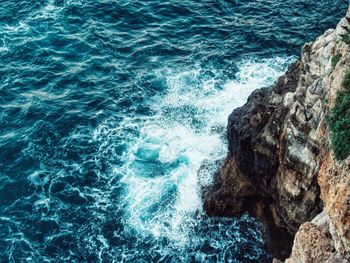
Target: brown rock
{"points": [[311, 245], [279, 167]]}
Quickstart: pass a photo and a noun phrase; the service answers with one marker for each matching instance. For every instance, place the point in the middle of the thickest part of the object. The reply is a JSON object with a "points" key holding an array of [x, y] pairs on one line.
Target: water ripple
{"points": [[109, 108]]}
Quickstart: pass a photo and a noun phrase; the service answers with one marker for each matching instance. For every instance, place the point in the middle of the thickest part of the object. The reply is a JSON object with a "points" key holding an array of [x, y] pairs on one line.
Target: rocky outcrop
{"points": [[311, 244], [280, 167], [315, 242]]}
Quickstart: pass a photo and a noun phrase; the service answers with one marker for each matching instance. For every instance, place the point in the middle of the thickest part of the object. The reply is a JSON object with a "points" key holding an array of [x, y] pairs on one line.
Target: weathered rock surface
{"points": [[311, 244], [280, 167]]}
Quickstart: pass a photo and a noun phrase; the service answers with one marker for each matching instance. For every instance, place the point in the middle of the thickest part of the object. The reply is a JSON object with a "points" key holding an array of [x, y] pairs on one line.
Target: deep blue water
{"points": [[109, 108]]}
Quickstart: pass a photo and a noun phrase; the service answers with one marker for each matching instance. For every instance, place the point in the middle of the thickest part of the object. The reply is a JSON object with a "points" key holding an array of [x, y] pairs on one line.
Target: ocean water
{"points": [[113, 115]]}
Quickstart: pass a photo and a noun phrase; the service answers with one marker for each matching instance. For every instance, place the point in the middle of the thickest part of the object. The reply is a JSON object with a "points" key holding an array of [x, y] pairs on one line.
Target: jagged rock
{"points": [[279, 165], [311, 245], [334, 180]]}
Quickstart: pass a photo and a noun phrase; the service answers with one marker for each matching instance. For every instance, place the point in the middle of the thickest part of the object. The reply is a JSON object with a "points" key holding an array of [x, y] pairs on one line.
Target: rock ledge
{"points": [[279, 166]]}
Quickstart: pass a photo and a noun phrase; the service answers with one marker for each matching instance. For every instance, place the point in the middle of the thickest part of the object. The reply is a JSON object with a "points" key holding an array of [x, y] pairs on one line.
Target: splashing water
{"points": [[160, 168], [113, 116]]}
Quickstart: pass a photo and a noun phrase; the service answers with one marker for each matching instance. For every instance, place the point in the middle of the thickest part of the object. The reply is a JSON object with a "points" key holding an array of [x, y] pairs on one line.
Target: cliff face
{"points": [[280, 167]]}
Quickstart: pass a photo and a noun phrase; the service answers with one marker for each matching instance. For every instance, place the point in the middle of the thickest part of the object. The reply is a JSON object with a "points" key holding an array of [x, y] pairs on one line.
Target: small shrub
{"points": [[346, 81], [339, 124], [346, 39], [335, 60]]}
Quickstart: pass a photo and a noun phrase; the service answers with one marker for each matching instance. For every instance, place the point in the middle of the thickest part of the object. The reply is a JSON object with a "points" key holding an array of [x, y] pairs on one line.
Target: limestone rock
{"points": [[280, 167], [311, 244]]}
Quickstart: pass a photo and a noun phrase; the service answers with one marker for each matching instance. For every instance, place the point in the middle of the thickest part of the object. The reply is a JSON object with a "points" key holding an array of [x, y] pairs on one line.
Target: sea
{"points": [[113, 116]]}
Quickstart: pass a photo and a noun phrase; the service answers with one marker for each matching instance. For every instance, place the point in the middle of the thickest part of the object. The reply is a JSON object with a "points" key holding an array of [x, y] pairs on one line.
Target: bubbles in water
{"points": [[110, 128], [161, 164]]}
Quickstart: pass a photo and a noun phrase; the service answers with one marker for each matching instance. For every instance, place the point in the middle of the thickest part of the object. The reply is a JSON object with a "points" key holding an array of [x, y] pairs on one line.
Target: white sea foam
{"points": [[38, 179], [50, 10], [160, 170], [21, 26], [4, 48]]}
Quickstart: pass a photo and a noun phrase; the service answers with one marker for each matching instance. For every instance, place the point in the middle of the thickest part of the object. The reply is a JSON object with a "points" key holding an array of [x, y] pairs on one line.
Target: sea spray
{"points": [[109, 108]]}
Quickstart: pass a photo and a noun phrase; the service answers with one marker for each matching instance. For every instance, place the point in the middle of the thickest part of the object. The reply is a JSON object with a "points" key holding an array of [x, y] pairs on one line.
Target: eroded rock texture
{"points": [[280, 167]]}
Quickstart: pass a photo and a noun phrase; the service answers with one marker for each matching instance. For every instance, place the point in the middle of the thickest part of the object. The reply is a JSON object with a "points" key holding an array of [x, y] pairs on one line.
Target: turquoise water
{"points": [[113, 113]]}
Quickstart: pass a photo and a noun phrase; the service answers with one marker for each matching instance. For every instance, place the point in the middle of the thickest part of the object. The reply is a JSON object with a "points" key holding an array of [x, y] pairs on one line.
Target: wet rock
{"points": [[279, 167]]}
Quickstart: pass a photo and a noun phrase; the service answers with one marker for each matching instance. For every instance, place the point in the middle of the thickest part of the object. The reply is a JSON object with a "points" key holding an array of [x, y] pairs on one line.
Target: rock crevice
{"points": [[279, 162]]}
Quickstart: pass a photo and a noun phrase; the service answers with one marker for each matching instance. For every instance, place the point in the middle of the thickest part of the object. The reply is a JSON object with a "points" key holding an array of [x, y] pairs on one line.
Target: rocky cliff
{"points": [[280, 166]]}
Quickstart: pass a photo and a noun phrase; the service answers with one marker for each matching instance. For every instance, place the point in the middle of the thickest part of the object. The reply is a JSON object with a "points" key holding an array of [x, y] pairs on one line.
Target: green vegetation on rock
{"points": [[339, 121], [346, 39], [335, 60], [346, 81]]}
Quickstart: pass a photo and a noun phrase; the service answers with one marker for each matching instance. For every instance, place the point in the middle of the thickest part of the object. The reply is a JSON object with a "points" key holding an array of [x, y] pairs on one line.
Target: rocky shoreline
{"points": [[280, 167]]}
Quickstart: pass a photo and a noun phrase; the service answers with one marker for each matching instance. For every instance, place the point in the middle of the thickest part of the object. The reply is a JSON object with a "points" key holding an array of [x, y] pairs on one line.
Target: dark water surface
{"points": [[109, 108]]}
